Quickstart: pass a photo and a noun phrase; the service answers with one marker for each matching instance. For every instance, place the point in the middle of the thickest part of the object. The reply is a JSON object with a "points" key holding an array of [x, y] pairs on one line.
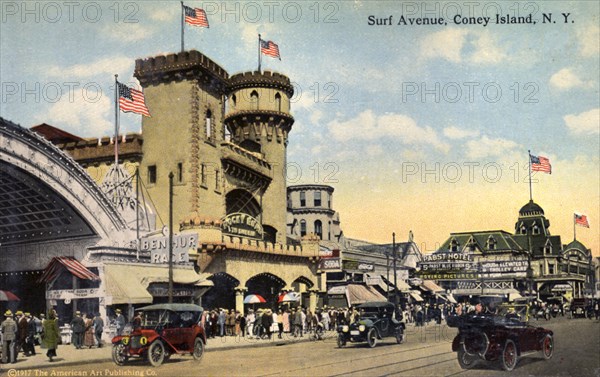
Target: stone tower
{"points": [[258, 119]]}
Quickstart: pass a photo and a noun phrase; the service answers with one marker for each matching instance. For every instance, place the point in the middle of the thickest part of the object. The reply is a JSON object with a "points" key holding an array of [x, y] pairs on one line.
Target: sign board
{"points": [[373, 280], [446, 257], [330, 264], [160, 291], [70, 294], [366, 266], [159, 247], [562, 288], [242, 224], [504, 266], [451, 265]]}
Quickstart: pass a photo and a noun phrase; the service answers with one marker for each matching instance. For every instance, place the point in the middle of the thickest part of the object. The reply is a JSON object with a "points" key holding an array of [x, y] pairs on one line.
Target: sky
{"points": [[417, 127]]}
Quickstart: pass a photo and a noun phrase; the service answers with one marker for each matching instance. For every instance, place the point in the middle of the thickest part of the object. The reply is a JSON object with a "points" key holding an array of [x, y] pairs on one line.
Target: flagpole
{"points": [[259, 57], [182, 26], [574, 228], [529, 159], [116, 121]]}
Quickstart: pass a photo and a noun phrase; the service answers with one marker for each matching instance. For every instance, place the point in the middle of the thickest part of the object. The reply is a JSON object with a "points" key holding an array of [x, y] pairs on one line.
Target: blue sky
{"points": [[398, 158]]}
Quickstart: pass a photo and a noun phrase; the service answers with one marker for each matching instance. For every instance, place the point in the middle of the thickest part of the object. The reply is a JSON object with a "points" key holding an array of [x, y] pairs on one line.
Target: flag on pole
{"points": [[269, 48], [539, 163], [132, 100], [195, 16], [581, 220]]}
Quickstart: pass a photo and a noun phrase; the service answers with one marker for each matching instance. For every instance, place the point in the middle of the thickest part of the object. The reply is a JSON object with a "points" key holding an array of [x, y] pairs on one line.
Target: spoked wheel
{"points": [[465, 360], [509, 356], [198, 349], [399, 336], [156, 353], [119, 354], [548, 346], [372, 338], [341, 341]]}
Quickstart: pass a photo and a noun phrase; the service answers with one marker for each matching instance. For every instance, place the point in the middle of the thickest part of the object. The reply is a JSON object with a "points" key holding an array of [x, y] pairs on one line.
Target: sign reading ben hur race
{"points": [[159, 247], [242, 224]]}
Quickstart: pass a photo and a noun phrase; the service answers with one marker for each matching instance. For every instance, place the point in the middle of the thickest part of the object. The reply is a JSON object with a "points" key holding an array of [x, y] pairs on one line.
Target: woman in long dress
{"points": [[50, 334], [88, 339], [286, 321]]}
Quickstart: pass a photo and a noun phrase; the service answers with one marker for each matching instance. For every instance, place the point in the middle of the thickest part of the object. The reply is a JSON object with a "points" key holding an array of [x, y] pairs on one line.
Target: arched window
{"points": [[535, 230], [278, 102], [302, 228], [454, 246], [329, 231], [319, 228], [491, 243], [254, 100], [233, 101]]}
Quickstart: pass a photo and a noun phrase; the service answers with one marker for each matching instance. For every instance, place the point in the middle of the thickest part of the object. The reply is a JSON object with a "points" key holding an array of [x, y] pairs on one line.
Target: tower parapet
{"points": [[257, 79], [186, 65]]}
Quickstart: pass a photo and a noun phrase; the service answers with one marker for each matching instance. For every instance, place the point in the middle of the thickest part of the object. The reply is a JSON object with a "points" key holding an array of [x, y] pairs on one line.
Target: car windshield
{"points": [[168, 318]]}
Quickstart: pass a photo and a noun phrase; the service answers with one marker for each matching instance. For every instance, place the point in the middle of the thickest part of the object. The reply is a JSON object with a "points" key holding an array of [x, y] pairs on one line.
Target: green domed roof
{"points": [[576, 245], [531, 208]]}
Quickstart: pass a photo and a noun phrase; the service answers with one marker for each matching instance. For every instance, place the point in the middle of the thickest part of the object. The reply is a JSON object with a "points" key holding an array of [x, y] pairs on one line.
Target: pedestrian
{"points": [[230, 322], [88, 337], [78, 327], [237, 323], [298, 322], [214, 322], [309, 320], [286, 320], [21, 333], [50, 335], [31, 334], [9, 338], [250, 322], [280, 323], [243, 326], [136, 323], [221, 321], [325, 320], [120, 322], [267, 322], [98, 329]]}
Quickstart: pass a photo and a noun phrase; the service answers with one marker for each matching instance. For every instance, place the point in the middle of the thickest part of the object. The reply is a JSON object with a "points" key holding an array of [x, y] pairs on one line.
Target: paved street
{"points": [[425, 353]]}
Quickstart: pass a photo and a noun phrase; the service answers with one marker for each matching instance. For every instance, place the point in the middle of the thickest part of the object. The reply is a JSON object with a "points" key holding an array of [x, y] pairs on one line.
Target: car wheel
{"points": [[119, 354], [465, 360], [156, 353], [509, 356], [372, 338], [399, 336], [198, 349], [548, 346]]}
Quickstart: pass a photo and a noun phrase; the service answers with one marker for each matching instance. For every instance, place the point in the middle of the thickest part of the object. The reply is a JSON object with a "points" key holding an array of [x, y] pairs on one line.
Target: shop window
{"points": [[317, 198], [152, 174], [302, 199], [319, 229], [302, 228]]}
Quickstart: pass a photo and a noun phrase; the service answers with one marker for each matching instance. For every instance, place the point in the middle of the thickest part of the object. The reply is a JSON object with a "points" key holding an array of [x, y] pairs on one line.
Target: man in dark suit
{"points": [[78, 327]]}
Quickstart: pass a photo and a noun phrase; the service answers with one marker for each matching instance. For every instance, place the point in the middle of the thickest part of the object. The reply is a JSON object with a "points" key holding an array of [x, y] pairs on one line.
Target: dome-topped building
{"points": [[532, 220]]}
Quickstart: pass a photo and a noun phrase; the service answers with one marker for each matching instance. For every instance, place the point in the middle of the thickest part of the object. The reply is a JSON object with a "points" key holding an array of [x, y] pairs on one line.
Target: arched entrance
{"points": [[267, 285], [222, 294], [302, 285], [242, 201]]}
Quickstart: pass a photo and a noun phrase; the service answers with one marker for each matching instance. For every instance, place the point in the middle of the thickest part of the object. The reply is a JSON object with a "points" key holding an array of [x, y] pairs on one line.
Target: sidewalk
{"points": [[68, 355]]}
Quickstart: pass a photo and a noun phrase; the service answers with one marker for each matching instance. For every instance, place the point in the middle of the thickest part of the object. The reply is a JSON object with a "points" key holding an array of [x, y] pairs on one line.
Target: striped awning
{"points": [[59, 264]]}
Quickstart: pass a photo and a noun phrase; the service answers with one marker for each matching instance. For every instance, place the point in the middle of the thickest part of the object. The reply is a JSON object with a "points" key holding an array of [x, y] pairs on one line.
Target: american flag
{"points": [[539, 163], [132, 100], [269, 48], [195, 16], [581, 220]]}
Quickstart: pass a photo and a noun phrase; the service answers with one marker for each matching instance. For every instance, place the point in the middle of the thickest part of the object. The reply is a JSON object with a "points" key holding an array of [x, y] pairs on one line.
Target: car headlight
{"points": [[345, 328], [125, 340], [143, 340], [361, 328]]}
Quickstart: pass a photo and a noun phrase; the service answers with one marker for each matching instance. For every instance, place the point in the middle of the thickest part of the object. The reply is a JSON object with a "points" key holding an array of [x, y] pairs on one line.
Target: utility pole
{"points": [[395, 273], [170, 237]]}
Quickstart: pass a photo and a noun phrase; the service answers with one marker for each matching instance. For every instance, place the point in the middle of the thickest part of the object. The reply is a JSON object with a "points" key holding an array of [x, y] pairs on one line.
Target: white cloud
{"points": [[487, 51], [164, 13], [565, 79], [453, 132], [102, 67], [487, 147], [586, 123], [81, 117], [399, 127], [128, 32], [445, 44], [316, 116], [589, 40], [374, 150]]}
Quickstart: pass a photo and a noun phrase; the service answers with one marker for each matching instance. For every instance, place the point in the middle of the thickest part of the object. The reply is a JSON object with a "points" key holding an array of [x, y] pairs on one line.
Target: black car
{"points": [[376, 321]]}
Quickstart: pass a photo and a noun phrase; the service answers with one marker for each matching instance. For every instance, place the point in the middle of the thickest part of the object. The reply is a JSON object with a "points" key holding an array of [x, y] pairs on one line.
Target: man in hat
{"points": [[78, 327], [9, 337], [120, 322], [98, 329], [31, 333], [21, 333]]}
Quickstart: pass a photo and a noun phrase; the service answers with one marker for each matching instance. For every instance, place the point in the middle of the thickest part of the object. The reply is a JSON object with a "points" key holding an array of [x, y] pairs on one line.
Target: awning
{"points": [[430, 286], [128, 284], [57, 264], [359, 294], [402, 285], [446, 297], [416, 296]]}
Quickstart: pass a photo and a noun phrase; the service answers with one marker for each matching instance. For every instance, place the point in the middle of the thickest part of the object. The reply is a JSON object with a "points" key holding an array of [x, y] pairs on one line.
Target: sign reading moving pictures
{"points": [[242, 224]]}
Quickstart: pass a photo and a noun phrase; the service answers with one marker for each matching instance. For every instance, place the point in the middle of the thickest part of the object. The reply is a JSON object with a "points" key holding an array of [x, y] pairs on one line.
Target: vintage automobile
{"points": [[376, 321], [502, 337], [166, 329]]}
